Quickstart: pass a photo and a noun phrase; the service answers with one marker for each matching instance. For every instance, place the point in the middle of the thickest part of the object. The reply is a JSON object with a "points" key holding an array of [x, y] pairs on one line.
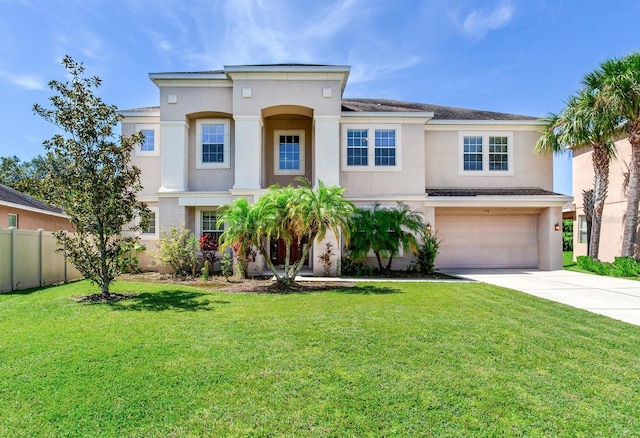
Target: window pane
{"points": [[209, 227], [13, 220], [582, 238], [385, 147], [213, 143], [151, 229], [498, 153], [148, 144], [357, 150], [472, 159], [289, 152]]}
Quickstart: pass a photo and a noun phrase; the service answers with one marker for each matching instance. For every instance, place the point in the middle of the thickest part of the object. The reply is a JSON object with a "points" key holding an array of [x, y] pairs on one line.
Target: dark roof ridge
{"points": [[8, 194], [441, 112]]}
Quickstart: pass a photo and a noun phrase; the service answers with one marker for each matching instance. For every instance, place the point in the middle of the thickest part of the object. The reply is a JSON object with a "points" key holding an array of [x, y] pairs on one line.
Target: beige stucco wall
{"points": [[149, 165], [194, 99], [209, 179], [443, 157], [615, 204], [31, 220], [268, 93], [408, 180]]}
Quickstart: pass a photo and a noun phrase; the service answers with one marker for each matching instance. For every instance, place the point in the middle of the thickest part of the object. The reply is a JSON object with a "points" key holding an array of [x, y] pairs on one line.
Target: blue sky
{"points": [[522, 57]]}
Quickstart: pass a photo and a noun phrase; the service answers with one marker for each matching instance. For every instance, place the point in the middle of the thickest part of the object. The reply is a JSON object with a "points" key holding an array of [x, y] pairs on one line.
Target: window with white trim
{"points": [[357, 147], [13, 220], [288, 152], [485, 153], [383, 156], [150, 146], [148, 140], [209, 226], [582, 229], [385, 147], [151, 227], [212, 144]]}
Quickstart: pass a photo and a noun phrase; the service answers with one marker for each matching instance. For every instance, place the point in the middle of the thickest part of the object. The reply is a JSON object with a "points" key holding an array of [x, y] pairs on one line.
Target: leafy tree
{"points": [[616, 88], [384, 231], [582, 124], [90, 176], [24, 176]]}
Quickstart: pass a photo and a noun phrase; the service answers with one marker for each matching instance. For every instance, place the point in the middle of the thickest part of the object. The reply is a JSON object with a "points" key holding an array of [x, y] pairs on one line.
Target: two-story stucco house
{"points": [[219, 135]]}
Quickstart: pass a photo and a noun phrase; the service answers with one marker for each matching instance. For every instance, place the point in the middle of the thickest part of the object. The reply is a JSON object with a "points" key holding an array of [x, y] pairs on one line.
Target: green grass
{"points": [[381, 359]]}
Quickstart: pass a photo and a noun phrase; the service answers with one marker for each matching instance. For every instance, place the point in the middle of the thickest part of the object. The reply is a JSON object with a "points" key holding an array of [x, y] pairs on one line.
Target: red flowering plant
{"points": [[209, 247]]}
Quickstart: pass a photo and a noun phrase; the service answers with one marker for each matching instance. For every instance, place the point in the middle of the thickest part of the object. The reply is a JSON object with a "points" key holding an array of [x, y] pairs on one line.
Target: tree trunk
{"points": [[600, 158], [633, 195], [587, 206]]}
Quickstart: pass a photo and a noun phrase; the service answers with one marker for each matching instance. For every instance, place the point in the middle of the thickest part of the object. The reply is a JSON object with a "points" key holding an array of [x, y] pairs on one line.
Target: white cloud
{"points": [[25, 81], [478, 23]]}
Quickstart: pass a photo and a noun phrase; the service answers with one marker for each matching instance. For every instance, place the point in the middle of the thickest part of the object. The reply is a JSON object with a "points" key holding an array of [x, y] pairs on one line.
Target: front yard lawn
{"points": [[378, 359]]}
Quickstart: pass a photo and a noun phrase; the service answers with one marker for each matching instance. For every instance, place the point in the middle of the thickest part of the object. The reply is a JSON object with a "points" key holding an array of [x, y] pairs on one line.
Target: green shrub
{"points": [[226, 265], [628, 266], [351, 266], [427, 253], [567, 235], [621, 267], [178, 250]]}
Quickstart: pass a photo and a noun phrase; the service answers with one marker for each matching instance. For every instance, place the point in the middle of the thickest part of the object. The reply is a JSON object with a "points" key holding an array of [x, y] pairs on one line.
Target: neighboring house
{"points": [[614, 207], [220, 135], [21, 211]]}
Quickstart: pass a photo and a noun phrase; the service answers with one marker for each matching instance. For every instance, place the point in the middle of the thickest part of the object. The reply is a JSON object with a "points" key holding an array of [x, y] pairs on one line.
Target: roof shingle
{"points": [[7, 194]]}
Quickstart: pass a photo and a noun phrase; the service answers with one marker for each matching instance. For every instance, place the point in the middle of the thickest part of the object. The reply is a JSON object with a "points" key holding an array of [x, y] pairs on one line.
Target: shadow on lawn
{"points": [[166, 300], [368, 290]]}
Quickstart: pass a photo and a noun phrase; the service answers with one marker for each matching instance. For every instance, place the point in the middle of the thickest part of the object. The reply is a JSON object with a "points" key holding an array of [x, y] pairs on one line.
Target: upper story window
{"points": [[384, 155], [485, 153], [289, 152], [357, 147], [212, 144], [385, 147], [150, 146], [148, 143], [472, 153]]}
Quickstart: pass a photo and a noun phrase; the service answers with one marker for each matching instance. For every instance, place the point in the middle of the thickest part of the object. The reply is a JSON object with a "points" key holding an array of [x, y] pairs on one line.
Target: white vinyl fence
{"points": [[28, 259]]}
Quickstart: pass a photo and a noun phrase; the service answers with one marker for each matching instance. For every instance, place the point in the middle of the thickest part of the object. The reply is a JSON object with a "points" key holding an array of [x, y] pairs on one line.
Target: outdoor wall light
{"points": [[428, 227], [557, 227]]}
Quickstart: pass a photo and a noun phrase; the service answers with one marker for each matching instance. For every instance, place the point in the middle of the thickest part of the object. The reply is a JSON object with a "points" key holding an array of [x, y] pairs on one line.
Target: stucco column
{"points": [[174, 156], [248, 152], [326, 147], [550, 240]]}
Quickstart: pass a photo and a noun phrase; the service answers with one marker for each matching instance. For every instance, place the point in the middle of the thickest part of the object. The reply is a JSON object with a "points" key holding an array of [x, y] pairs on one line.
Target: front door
{"points": [[278, 251]]}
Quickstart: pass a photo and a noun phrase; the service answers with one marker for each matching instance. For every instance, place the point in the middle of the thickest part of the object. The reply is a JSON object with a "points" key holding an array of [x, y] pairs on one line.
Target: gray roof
{"points": [[439, 112], [490, 191], [7, 194]]}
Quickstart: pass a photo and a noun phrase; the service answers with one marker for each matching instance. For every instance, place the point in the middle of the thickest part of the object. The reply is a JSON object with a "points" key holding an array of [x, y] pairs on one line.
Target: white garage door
{"points": [[485, 241]]}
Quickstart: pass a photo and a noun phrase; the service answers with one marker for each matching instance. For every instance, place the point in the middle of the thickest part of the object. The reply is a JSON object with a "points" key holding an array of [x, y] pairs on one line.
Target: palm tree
{"points": [[286, 213], [616, 88], [582, 124], [239, 233], [384, 231], [314, 212]]}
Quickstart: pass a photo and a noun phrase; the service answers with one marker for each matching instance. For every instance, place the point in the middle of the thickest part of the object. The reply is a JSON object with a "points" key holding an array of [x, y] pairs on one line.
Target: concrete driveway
{"points": [[613, 297]]}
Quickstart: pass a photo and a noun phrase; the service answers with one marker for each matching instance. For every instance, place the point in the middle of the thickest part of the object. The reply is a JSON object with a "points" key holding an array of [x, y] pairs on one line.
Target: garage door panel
{"points": [[484, 241]]}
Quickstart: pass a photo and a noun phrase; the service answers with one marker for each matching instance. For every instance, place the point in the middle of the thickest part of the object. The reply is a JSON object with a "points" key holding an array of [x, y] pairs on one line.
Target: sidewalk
{"points": [[613, 297]]}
